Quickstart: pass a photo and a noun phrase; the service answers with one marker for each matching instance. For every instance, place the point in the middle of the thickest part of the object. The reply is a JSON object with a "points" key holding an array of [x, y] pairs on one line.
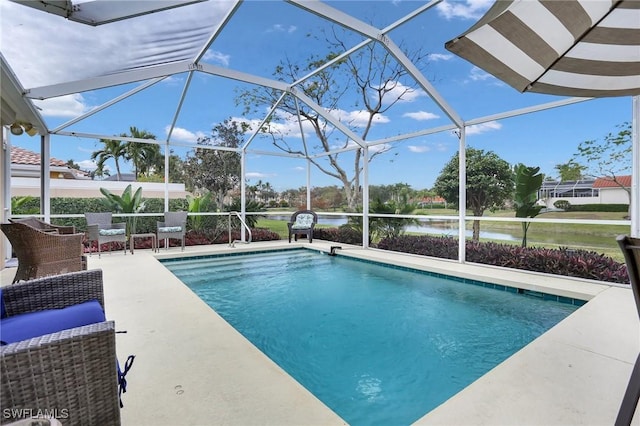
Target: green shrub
{"points": [[344, 234], [562, 204], [60, 206], [615, 208], [563, 261]]}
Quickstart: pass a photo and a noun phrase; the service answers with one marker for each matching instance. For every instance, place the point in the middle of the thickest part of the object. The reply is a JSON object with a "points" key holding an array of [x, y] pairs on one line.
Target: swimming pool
{"points": [[377, 345]]}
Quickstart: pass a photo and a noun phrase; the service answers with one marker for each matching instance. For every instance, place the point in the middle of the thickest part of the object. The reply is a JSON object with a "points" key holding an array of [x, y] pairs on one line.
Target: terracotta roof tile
{"points": [[606, 182], [24, 156]]}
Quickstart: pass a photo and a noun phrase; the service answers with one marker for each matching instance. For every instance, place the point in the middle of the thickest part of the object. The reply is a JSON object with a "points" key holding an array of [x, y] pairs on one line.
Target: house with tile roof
{"points": [[25, 163], [602, 190], [73, 183]]}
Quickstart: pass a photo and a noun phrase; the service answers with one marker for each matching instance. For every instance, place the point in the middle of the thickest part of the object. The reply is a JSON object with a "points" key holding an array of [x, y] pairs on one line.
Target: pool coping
{"points": [[193, 368], [546, 292]]}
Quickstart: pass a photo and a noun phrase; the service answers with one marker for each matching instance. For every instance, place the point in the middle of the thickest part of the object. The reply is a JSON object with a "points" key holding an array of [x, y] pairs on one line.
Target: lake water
{"points": [[439, 228]]}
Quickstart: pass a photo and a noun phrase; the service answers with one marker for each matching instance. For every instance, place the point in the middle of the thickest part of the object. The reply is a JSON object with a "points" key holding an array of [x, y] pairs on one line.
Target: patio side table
{"points": [[154, 241]]}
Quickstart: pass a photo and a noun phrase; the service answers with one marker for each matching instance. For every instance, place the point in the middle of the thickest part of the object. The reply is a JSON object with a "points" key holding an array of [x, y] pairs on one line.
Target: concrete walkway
{"points": [[192, 368]]}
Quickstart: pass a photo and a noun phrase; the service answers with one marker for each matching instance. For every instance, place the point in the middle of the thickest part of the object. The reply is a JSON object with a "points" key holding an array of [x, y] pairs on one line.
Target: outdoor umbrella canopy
{"points": [[580, 48]]}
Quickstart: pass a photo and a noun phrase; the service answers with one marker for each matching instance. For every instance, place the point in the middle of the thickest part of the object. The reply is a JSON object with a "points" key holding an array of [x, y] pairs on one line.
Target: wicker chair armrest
{"points": [[64, 229], [160, 224], [73, 371], [119, 225], [53, 292]]}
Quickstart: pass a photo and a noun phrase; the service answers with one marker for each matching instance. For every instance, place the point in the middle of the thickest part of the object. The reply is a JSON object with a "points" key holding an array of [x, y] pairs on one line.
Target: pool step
{"points": [[232, 267], [238, 261]]}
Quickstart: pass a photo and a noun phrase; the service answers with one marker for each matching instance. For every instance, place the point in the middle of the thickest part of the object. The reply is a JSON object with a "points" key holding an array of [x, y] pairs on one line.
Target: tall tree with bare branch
{"points": [[369, 82]]}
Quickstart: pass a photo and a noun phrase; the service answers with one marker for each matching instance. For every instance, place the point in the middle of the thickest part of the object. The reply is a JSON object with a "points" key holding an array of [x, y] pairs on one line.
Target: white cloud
{"points": [[183, 135], [421, 115], [467, 9], [89, 165], [259, 175], [63, 106], [358, 118], [217, 57], [489, 126], [405, 93], [279, 28], [173, 80], [419, 149], [286, 125], [435, 57], [478, 74]]}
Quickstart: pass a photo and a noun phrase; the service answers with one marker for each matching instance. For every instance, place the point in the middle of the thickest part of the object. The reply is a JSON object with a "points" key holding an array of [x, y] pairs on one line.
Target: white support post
{"points": [[635, 172], [45, 177], [5, 192], [462, 194], [308, 184], [243, 194], [166, 175], [365, 198]]}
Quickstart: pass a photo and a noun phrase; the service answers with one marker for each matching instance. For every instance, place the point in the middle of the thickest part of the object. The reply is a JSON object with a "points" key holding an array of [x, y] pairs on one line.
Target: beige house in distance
{"points": [[72, 183], [601, 190]]}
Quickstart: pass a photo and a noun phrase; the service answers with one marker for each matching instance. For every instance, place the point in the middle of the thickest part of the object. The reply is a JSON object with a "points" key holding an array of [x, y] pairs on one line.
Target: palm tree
{"points": [[113, 149], [144, 156]]}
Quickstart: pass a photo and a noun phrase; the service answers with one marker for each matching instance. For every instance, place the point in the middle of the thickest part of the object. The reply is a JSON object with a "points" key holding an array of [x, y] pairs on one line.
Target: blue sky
{"points": [[44, 49]]}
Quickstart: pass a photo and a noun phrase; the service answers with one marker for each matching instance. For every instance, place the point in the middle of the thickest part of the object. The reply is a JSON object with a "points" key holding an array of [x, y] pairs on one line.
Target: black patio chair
{"points": [[302, 223], [631, 248]]}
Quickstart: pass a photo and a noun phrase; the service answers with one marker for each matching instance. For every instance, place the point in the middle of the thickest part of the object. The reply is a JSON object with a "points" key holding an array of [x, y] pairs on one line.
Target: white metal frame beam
{"points": [[99, 12], [110, 80]]}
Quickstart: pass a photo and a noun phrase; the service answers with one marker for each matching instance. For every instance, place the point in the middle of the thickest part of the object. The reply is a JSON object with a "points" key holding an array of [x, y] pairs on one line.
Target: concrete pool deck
{"points": [[192, 368]]}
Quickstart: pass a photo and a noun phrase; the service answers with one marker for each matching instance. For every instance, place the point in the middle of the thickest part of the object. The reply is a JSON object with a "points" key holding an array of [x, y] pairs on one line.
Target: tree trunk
{"points": [[476, 223], [476, 230]]}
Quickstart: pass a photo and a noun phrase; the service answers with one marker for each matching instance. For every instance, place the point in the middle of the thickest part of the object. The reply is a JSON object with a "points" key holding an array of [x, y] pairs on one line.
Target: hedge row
{"points": [[563, 261]]}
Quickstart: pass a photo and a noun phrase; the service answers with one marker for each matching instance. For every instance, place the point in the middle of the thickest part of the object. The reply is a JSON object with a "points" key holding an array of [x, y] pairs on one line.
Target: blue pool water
{"points": [[378, 345]]}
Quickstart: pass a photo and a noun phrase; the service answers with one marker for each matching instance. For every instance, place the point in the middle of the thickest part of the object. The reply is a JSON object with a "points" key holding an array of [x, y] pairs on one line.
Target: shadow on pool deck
{"points": [[192, 368]]}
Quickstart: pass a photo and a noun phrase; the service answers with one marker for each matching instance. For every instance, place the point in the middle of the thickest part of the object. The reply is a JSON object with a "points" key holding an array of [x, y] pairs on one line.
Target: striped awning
{"points": [[587, 48]]}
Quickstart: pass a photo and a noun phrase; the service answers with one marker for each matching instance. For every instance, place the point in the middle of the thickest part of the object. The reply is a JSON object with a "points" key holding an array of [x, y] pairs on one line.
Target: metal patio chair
{"points": [[174, 226], [631, 248], [101, 229]]}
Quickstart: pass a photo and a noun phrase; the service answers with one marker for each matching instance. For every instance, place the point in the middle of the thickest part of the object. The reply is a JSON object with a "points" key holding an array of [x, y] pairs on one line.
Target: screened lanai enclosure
{"points": [[343, 93]]}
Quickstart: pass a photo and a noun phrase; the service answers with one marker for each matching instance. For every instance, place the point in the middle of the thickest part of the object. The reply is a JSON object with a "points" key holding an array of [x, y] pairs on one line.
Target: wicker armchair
{"points": [[100, 229], [36, 223], [43, 253], [71, 373], [173, 227], [631, 249], [302, 223]]}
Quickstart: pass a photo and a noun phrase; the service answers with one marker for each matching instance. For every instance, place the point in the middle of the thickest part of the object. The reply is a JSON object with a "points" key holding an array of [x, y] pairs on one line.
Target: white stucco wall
{"points": [[72, 188], [605, 196]]}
